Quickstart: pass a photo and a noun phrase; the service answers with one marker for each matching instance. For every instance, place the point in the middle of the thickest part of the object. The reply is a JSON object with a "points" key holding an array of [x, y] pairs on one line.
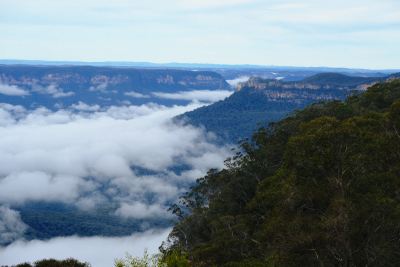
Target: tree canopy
{"points": [[319, 188]]}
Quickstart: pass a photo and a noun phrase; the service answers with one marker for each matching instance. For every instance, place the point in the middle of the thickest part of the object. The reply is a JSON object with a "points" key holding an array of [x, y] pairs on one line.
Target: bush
{"points": [[54, 263], [64, 263], [175, 259], [145, 261]]}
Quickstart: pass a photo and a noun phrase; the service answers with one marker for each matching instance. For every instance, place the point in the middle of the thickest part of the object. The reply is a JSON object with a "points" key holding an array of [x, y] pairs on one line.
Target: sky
{"points": [[340, 33]]}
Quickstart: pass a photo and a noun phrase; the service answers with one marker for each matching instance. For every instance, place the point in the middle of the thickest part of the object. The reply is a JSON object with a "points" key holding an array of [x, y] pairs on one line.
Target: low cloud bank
{"points": [[11, 225], [132, 158], [88, 156], [12, 90], [136, 94], [207, 96], [52, 90], [99, 251], [236, 81]]}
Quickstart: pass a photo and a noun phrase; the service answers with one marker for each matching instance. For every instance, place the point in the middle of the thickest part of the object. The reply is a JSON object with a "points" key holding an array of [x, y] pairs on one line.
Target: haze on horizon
{"points": [[353, 33]]}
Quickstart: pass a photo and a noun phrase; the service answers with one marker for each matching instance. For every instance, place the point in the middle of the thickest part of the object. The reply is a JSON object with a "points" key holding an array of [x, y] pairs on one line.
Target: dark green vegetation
{"points": [[54, 263], [240, 114], [338, 79], [319, 188], [47, 220]]}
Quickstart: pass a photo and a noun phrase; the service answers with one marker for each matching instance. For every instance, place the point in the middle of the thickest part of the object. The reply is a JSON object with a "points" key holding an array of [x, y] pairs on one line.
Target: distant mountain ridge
{"points": [[328, 80], [65, 85], [185, 65], [338, 79], [228, 71], [258, 102]]}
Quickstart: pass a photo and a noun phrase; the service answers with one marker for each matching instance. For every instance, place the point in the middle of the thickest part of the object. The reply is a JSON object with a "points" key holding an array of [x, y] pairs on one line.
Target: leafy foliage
{"points": [[145, 261], [55, 263], [338, 79], [320, 188], [170, 259]]}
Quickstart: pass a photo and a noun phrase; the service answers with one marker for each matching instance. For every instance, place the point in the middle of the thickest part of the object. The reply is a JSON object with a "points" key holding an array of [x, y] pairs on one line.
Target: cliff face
{"points": [[141, 80], [61, 86], [323, 81]]}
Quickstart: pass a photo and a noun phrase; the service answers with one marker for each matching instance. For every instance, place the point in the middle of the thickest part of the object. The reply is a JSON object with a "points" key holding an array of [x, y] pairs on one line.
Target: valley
{"points": [[195, 116]]}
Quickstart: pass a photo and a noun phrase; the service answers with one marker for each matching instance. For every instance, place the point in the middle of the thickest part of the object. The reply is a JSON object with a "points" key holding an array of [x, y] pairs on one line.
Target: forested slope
{"points": [[261, 101], [319, 188]]}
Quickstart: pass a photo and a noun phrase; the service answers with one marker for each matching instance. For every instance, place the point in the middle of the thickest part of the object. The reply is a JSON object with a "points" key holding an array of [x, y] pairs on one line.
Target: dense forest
{"points": [[319, 188]]}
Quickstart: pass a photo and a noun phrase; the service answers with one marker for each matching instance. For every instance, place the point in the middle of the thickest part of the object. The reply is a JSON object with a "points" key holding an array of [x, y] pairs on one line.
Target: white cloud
{"points": [[84, 158], [30, 186], [10, 113], [207, 96], [81, 106], [101, 87], [11, 225], [99, 251], [52, 90], [340, 12], [12, 90], [136, 94], [141, 211], [196, 4], [236, 81]]}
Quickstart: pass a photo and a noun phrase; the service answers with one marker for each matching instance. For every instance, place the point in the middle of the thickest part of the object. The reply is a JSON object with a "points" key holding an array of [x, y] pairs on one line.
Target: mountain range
{"points": [[61, 86]]}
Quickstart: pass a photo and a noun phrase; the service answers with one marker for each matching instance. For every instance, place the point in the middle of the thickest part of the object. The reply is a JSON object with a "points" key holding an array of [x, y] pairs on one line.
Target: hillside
{"points": [[319, 188], [32, 86], [337, 79], [261, 101]]}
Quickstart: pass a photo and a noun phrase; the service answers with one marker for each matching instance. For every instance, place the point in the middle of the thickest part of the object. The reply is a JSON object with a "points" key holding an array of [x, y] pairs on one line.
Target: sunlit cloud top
{"points": [[352, 33]]}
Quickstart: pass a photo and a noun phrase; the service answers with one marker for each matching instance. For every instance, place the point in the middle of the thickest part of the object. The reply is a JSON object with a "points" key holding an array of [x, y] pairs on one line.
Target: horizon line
{"points": [[117, 63]]}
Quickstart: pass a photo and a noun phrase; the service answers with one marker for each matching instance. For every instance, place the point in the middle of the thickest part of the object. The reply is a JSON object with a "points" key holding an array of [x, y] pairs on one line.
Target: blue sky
{"points": [[351, 33]]}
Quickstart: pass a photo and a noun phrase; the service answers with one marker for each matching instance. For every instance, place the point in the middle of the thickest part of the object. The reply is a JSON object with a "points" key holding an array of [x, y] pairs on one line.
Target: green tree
{"points": [[320, 188]]}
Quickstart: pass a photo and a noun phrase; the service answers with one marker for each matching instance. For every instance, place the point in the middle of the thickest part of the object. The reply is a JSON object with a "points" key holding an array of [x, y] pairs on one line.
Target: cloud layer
{"points": [[236, 81], [87, 156], [196, 96], [52, 90], [12, 90], [207, 96], [11, 225]]}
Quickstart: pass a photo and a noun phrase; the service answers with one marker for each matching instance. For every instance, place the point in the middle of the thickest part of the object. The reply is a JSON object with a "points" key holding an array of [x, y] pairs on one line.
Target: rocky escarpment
{"points": [[323, 81], [102, 78], [62, 86]]}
